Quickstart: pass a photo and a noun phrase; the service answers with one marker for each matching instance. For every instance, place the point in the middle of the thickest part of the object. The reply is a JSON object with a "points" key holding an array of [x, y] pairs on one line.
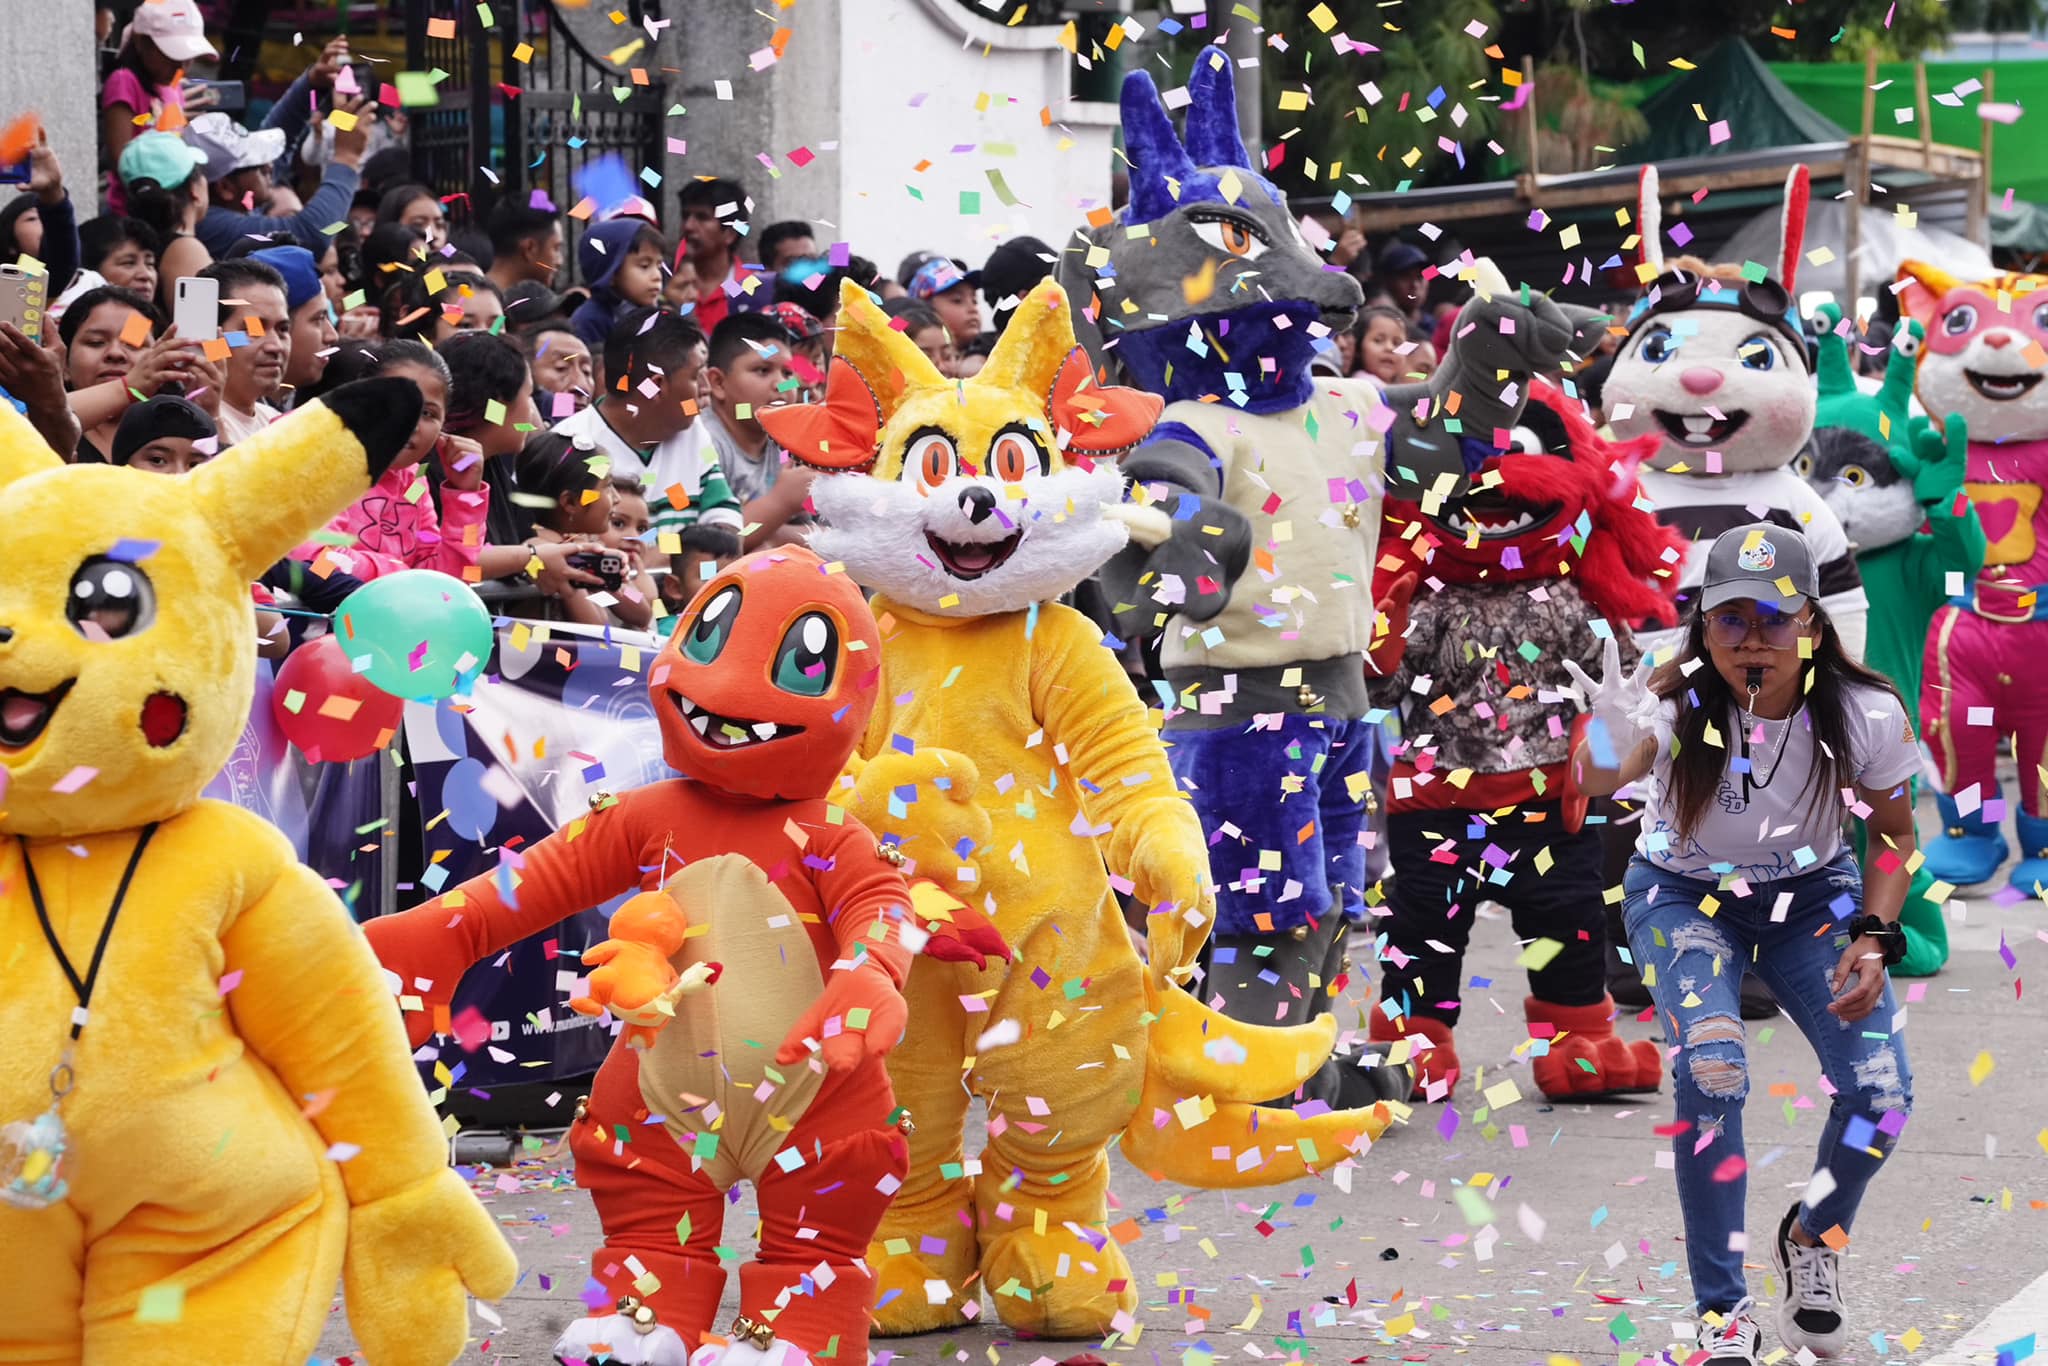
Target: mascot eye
{"points": [[1233, 236], [713, 626], [1658, 347], [808, 657], [1803, 466], [1757, 353], [933, 457], [1907, 342], [1855, 476], [110, 599], [1014, 457], [1961, 321], [2041, 318]]}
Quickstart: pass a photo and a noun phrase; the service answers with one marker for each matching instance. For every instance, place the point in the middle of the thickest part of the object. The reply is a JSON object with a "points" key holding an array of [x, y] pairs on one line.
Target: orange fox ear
{"points": [[1925, 285], [838, 434], [1099, 419]]}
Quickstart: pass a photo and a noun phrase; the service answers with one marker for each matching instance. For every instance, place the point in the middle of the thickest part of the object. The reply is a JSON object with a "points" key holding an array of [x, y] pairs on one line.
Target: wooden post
{"points": [[1857, 168], [1980, 224], [1529, 113], [1921, 108]]}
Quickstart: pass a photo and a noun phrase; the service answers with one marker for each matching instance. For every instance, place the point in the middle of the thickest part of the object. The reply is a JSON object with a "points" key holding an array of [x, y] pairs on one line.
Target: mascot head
{"points": [[1715, 361], [1560, 503], [964, 498], [1862, 460], [766, 685], [127, 633], [1985, 355], [1204, 267]]}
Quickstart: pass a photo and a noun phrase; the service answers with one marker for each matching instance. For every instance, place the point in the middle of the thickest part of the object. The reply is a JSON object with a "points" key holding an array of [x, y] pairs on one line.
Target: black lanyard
{"points": [[83, 987]]}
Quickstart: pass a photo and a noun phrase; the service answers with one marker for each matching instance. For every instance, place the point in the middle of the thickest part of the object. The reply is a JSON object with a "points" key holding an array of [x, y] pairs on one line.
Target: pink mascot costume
{"points": [[1984, 361]]}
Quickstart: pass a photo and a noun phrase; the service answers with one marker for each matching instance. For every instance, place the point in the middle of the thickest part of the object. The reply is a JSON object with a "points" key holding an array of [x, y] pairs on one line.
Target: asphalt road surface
{"points": [[1538, 1232]]}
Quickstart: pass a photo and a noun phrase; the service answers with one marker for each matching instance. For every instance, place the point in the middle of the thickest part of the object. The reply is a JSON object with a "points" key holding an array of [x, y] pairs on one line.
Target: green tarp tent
{"points": [[2019, 151], [1731, 86]]}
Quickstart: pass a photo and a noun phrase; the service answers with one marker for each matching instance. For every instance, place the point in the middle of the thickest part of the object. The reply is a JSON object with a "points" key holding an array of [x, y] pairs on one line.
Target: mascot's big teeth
{"points": [[1702, 429], [972, 559], [723, 731], [2002, 388]]}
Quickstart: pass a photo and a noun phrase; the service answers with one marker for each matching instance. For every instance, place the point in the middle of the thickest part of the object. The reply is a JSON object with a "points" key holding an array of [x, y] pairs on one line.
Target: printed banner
{"points": [[567, 717], [263, 775]]}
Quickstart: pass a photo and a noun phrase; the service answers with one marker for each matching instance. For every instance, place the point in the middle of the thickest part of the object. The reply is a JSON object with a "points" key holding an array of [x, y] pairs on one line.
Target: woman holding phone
{"points": [[1756, 742]]}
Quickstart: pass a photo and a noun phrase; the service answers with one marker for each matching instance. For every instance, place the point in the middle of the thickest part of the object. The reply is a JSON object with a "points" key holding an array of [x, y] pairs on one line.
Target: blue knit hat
{"points": [[604, 248]]}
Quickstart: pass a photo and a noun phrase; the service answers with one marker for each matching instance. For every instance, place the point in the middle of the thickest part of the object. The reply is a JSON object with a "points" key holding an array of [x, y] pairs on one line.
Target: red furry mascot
{"points": [[1548, 554]]}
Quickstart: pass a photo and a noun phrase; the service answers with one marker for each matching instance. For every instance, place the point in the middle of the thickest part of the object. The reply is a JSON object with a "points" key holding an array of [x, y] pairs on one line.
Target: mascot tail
{"points": [[1197, 1122]]}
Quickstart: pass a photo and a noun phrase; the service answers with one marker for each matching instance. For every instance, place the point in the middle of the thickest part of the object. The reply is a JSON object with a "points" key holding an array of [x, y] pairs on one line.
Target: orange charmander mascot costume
{"points": [[759, 975]]}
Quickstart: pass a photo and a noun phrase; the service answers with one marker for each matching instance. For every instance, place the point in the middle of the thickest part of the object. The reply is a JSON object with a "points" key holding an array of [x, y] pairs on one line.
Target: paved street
{"points": [[1580, 1256]]}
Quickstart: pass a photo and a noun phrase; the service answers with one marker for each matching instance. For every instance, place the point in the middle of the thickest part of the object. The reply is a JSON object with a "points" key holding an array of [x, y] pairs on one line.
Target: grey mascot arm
{"points": [[1502, 338], [1192, 536]]}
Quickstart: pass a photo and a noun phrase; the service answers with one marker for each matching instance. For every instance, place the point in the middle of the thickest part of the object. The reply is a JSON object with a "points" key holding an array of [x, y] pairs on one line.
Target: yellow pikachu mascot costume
{"points": [[1011, 757], [209, 1108]]}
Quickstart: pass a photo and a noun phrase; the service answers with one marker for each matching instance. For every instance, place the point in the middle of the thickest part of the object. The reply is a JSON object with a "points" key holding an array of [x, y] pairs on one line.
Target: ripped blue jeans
{"points": [[1693, 964]]}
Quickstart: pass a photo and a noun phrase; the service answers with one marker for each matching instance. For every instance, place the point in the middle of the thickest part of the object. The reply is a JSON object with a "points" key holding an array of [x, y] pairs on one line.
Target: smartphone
{"points": [[230, 97], [21, 300], [17, 174], [196, 310]]}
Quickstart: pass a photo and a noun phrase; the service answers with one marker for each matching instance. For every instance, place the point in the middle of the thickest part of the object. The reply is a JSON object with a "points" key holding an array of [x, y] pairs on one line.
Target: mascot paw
{"points": [[958, 932], [629, 1336], [1080, 1299], [1371, 1079], [1584, 1057], [1192, 570], [902, 1307], [413, 1258]]}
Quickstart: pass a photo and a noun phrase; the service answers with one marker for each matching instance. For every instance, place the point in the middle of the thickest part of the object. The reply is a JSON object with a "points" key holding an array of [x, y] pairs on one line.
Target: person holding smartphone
{"points": [[1756, 741], [159, 42]]}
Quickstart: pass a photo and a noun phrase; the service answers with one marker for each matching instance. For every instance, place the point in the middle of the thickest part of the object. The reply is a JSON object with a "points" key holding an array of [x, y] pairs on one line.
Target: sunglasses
{"points": [[1730, 629]]}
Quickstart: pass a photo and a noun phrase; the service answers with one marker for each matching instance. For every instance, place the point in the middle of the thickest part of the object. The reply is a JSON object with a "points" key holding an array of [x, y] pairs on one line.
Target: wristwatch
{"points": [[1891, 940]]}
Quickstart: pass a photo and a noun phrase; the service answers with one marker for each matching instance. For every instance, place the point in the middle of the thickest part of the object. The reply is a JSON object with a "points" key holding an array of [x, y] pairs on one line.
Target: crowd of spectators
{"points": [[591, 444]]}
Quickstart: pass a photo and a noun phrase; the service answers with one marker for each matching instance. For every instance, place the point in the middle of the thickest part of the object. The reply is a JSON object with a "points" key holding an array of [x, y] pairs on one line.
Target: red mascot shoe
{"points": [[1435, 1067], [1586, 1057]]}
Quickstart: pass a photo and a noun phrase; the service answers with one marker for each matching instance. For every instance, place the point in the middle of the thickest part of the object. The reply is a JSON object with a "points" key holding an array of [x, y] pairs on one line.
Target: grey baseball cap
{"points": [[1763, 561]]}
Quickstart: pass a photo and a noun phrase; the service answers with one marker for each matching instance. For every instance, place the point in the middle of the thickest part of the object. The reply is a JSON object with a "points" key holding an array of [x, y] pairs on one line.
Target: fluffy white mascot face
{"points": [[1985, 359], [1725, 391], [966, 497], [970, 545]]}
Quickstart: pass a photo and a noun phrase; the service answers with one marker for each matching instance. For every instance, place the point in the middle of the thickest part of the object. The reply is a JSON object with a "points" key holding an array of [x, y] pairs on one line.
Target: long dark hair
{"points": [[1703, 698]]}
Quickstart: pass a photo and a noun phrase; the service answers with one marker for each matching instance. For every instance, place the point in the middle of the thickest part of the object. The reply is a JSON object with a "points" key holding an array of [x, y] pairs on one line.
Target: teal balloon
{"points": [[427, 635]]}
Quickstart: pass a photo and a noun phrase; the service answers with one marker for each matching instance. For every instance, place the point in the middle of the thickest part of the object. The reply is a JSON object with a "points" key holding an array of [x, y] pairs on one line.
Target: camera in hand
{"points": [[608, 565]]}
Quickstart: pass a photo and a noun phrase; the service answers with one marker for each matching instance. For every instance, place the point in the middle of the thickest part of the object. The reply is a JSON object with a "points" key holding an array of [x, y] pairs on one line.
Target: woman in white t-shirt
{"points": [[1755, 739]]}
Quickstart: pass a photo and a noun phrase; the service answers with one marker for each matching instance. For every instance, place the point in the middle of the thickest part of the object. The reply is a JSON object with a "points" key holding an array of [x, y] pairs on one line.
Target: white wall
{"points": [[52, 70], [845, 91], [895, 51]]}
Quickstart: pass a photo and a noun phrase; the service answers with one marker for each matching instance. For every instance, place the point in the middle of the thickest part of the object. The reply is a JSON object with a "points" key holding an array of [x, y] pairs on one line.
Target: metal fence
{"points": [[506, 126]]}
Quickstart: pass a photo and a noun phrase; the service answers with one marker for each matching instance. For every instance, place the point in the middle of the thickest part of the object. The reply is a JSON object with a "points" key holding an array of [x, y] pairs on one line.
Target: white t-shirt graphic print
{"points": [[1772, 826]]}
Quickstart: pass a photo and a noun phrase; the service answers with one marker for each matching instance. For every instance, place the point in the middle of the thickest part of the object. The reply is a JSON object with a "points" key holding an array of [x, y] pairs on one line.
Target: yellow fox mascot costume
{"points": [[207, 1109], [1010, 756]]}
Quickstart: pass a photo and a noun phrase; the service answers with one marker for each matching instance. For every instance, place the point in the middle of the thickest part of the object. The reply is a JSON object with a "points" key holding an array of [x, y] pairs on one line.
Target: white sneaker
{"points": [[1810, 1314], [1735, 1338]]}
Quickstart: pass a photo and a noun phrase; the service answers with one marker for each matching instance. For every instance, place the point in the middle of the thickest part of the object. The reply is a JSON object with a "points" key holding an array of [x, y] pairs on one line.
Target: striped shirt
{"points": [[684, 483], [1702, 507]]}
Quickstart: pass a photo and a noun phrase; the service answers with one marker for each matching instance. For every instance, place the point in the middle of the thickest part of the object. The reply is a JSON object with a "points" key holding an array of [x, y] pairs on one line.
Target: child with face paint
{"points": [[1748, 738]]}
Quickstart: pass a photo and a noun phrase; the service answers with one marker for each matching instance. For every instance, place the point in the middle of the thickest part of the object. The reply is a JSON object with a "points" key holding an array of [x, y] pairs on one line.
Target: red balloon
{"points": [[342, 715]]}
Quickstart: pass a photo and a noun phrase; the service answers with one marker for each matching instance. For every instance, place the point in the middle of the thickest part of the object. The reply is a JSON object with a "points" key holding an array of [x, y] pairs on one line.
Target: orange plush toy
{"points": [[759, 975]]}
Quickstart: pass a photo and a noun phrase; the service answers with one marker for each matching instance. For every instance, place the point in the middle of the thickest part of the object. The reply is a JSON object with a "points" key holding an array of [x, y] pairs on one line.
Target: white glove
{"points": [[1620, 702]]}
